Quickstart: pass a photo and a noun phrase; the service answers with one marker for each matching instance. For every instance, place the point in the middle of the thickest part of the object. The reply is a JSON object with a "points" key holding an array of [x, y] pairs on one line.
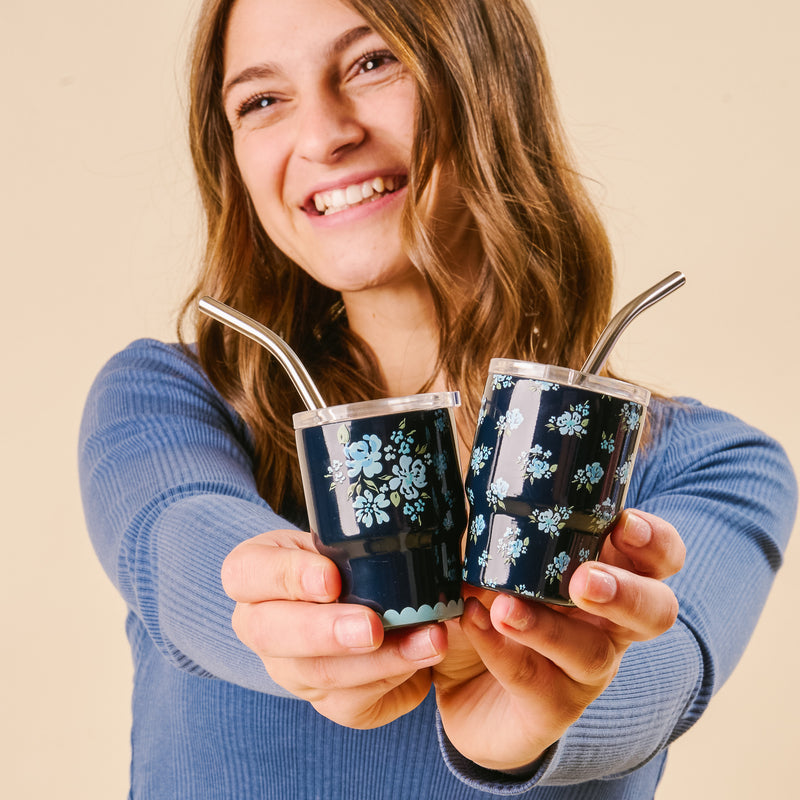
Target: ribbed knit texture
{"points": [[168, 491]]}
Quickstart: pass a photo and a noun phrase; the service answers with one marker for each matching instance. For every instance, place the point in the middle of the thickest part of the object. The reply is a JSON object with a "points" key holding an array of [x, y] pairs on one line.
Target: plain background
{"points": [[684, 115]]}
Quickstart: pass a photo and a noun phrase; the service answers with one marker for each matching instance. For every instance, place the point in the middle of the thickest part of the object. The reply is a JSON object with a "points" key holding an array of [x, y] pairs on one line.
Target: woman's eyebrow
{"points": [[267, 69]]}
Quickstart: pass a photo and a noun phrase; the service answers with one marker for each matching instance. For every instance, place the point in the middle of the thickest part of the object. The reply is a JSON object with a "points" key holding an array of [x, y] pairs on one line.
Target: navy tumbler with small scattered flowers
{"points": [[386, 503], [548, 474]]}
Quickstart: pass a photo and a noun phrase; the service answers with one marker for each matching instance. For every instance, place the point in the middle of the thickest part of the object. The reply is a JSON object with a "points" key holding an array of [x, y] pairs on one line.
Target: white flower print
{"points": [[496, 493], [510, 421], [409, 477]]}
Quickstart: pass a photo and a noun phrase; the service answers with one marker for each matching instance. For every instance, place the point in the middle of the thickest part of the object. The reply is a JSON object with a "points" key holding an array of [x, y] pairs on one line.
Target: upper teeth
{"points": [[340, 199]]}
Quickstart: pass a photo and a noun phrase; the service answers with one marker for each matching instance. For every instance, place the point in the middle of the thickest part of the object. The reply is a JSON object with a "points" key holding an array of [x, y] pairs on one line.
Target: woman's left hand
{"points": [[525, 671]]}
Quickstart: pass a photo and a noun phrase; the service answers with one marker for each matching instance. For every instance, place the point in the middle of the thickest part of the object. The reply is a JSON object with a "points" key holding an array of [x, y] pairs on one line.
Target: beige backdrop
{"points": [[684, 113]]}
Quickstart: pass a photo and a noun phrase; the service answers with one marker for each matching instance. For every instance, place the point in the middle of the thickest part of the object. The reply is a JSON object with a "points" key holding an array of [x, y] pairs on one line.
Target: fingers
{"points": [[528, 644], [290, 629], [279, 565], [379, 671], [645, 544], [639, 608]]}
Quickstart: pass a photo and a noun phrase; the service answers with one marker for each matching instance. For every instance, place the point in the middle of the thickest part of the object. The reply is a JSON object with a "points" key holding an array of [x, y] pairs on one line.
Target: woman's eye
{"points": [[373, 61], [255, 103]]}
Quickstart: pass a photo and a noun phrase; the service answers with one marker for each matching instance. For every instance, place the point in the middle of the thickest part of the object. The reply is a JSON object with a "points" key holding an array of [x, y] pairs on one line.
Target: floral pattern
{"points": [[631, 416], [510, 421], [541, 509], [480, 455], [555, 570], [476, 528], [588, 476], [512, 545], [574, 422], [602, 515], [551, 520], [535, 464], [496, 493], [389, 474]]}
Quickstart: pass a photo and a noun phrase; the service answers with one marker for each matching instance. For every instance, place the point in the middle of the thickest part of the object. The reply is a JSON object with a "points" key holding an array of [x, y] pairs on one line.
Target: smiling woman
{"points": [[386, 184]]}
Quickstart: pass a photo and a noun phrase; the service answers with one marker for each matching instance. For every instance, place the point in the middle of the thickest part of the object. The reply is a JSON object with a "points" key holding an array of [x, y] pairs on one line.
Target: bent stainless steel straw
{"points": [[272, 342], [608, 338]]}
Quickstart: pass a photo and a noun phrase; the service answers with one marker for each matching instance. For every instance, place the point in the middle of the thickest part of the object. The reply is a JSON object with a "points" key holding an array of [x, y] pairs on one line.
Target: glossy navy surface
{"points": [[386, 503], [547, 479]]}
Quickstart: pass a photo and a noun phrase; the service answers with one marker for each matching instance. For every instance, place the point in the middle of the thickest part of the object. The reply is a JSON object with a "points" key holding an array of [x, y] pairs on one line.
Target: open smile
{"points": [[356, 194]]}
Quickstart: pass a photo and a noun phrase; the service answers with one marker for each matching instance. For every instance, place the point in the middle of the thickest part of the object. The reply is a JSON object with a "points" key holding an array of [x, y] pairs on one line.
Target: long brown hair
{"points": [[543, 286]]}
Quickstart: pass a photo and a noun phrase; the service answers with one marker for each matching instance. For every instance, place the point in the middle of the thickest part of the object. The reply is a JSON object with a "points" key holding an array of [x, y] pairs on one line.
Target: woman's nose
{"points": [[327, 127]]}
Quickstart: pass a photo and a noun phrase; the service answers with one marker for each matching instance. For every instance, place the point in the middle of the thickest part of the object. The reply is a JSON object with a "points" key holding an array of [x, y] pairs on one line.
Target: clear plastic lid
{"points": [[570, 377], [376, 408]]}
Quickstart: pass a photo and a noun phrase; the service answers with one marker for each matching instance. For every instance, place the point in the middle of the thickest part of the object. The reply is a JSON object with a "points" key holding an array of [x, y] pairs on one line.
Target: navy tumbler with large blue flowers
{"points": [[385, 501], [548, 474]]}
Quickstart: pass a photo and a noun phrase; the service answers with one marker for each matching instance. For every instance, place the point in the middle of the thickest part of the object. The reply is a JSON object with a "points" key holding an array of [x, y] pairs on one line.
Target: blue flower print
{"points": [[607, 443], [440, 421], [587, 477], [502, 382], [440, 464], [571, 423], [389, 453], [364, 457], [483, 558], [409, 477], [623, 472], [551, 520], [543, 386], [509, 421], [496, 493], [447, 521], [480, 455], [535, 464], [369, 507], [556, 570], [511, 546], [402, 439], [471, 497], [477, 527], [631, 416], [414, 510], [583, 555]]}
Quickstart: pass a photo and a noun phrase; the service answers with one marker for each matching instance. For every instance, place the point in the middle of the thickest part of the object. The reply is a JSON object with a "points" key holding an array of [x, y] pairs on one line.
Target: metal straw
{"points": [[272, 342], [600, 352]]}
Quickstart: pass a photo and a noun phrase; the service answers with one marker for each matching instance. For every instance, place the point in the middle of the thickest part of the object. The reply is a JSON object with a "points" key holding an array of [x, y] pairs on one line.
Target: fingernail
{"points": [[600, 586], [418, 646], [637, 531], [354, 631], [314, 583], [478, 615], [511, 613]]}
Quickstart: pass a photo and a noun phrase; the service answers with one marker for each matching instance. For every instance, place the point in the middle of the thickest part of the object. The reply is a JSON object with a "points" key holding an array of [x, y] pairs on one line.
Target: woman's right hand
{"points": [[334, 655]]}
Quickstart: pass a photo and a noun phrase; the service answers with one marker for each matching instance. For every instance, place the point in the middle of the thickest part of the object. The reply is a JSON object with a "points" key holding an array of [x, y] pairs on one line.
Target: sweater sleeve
{"points": [[731, 493], [168, 491]]}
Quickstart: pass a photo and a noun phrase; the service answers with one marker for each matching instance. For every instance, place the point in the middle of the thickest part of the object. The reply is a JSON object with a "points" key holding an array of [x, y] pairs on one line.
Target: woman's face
{"points": [[322, 116]]}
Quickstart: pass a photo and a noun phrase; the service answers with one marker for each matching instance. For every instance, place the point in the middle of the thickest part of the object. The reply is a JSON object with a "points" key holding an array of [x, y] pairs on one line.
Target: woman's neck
{"points": [[399, 323]]}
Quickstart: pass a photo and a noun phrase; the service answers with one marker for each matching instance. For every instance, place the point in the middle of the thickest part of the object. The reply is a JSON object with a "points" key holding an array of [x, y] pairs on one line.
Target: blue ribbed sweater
{"points": [[168, 491]]}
